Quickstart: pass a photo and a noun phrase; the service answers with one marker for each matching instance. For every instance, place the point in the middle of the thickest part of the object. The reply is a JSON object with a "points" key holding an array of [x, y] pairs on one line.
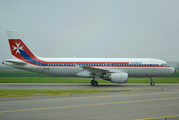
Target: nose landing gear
{"points": [[152, 83]]}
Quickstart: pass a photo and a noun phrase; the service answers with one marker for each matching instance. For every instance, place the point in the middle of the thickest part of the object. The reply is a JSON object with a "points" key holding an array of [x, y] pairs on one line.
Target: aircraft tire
{"points": [[94, 83], [152, 83]]}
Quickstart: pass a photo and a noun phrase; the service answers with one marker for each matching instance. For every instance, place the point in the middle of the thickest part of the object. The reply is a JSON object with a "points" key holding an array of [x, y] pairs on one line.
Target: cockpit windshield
{"points": [[164, 64]]}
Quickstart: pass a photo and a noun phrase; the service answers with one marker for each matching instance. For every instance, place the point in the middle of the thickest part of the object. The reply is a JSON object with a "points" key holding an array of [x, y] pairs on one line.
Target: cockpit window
{"points": [[164, 64]]}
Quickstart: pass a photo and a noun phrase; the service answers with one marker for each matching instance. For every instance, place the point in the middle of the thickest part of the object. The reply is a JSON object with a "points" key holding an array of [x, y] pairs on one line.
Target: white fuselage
{"points": [[70, 67]]}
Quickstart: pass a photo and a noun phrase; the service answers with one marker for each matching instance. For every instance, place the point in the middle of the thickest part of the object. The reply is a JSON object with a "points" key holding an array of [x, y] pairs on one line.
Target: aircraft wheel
{"points": [[94, 83], [152, 83]]}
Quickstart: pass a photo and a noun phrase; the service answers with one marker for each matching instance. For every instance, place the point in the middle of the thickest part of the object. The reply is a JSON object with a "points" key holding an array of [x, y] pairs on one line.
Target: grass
{"points": [[46, 80], [177, 68], [156, 80], [8, 73], [14, 72], [79, 80], [28, 93], [13, 75]]}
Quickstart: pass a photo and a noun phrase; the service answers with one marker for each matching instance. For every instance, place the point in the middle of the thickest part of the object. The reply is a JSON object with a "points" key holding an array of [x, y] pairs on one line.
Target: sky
{"points": [[93, 28]]}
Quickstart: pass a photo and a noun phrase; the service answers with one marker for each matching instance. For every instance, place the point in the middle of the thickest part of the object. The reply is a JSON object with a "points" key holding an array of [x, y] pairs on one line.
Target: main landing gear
{"points": [[152, 83], [94, 83]]}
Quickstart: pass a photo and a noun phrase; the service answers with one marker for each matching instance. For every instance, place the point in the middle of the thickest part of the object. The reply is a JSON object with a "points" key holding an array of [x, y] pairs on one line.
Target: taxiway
{"points": [[142, 102]]}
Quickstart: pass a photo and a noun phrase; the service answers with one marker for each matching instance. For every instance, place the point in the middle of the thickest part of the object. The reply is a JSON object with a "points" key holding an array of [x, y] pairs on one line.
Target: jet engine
{"points": [[116, 77]]}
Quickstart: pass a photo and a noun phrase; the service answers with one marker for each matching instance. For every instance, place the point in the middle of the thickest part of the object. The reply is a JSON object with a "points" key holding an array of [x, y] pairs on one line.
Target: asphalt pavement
{"points": [[142, 102]]}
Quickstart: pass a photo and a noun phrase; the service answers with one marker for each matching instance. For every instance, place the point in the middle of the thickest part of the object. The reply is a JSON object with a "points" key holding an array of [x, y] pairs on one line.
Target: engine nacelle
{"points": [[117, 77]]}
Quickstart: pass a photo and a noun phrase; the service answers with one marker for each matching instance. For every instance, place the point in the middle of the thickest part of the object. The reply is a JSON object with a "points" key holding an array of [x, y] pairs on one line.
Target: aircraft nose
{"points": [[174, 70]]}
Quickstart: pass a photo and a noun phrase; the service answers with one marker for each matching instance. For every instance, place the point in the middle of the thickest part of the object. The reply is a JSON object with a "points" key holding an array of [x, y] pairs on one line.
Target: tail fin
{"points": [[19, 49]]}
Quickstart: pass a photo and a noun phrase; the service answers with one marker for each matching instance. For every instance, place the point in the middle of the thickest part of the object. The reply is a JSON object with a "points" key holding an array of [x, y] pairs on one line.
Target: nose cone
{"points": [[170, 71], [173, 70]]}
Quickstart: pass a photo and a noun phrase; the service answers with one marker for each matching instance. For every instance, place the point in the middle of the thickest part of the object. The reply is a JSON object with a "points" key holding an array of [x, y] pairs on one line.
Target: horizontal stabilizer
{"points": [[14, 62]]}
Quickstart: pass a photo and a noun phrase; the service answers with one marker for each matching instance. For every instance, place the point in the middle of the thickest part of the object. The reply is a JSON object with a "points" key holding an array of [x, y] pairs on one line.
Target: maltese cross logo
{"points": [[17, 48]]}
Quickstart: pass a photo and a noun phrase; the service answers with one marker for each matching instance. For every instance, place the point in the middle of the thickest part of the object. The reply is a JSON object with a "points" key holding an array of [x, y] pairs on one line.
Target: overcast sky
{"points": [[93, 28]]}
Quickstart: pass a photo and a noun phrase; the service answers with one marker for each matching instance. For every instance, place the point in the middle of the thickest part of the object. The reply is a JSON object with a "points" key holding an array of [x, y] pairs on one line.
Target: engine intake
{"points": [[117, 77]]}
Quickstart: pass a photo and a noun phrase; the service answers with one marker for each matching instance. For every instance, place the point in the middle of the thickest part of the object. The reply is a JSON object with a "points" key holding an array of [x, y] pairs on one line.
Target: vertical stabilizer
{"points": [[18, 49]]}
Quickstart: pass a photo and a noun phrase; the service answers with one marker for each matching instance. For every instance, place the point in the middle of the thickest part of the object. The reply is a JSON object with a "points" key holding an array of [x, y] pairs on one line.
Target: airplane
{"points": [[116, 70]]}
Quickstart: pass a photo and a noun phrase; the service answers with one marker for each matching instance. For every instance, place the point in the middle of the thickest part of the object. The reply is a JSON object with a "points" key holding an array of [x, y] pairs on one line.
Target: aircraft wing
{"points": [[99, 71], [95, 70]]}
